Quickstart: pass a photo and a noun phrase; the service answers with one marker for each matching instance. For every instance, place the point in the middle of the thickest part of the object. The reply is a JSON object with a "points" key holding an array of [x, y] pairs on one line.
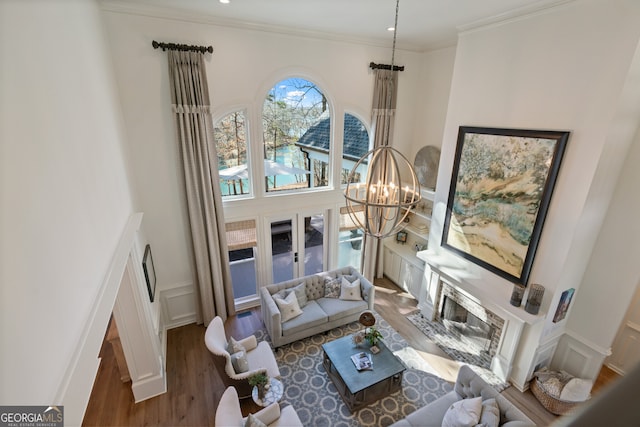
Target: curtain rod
{"points": [[183, 47], [375, 66]]}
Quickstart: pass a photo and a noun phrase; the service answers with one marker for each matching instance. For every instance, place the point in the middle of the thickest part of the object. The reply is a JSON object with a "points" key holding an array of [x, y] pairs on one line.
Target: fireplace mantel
{"points": [[455, 272]]}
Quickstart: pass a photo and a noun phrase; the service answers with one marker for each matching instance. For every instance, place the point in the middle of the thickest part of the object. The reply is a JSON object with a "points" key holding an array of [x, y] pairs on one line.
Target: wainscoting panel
{"points": [[578, 356], [178, 305]]}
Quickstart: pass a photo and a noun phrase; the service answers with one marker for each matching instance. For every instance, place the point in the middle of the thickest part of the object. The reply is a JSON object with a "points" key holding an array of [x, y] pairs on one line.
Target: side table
{"points": [[272, 395]]}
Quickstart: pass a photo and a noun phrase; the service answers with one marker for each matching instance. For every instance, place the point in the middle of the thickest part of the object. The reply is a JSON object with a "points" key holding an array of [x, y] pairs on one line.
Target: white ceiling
{"points": [[422, 24]]}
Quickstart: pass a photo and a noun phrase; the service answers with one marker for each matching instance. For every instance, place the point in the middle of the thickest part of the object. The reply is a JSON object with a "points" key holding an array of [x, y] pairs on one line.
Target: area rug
{"points": [[312, 393], [458, 350]]}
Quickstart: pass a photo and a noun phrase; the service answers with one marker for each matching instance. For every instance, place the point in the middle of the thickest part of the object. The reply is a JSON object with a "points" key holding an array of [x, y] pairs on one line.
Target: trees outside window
{"points": [[291, 113], [230, 135]]}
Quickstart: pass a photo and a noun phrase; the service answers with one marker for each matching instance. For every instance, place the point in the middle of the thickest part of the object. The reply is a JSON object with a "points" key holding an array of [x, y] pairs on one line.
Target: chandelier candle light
{"points": [[380, 205]]}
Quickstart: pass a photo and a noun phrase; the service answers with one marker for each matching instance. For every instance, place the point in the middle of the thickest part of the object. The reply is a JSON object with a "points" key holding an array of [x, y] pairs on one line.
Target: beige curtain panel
{"points": [[383, 111], [383, 108], [194, 132]]}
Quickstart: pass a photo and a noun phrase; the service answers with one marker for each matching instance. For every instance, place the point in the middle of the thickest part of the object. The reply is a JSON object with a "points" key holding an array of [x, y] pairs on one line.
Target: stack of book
{"points": [[363, 361]]}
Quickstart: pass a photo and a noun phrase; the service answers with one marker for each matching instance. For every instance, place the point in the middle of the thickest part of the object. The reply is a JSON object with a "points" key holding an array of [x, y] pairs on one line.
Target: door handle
{"points": [[295, 257]]}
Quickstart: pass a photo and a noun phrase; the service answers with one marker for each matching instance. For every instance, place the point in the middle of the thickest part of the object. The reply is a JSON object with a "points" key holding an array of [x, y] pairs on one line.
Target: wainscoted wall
{"points": [[579, 356], [178, 305]]}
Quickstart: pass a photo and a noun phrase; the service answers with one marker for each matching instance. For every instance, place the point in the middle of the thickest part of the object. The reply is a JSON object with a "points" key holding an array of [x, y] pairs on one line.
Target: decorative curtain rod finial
{"points": [[181, 47]]}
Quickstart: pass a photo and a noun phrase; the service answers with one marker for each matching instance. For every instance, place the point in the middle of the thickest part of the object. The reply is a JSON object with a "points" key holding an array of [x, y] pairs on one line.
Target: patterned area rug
{"points": [[458, 350], [315, 398]]}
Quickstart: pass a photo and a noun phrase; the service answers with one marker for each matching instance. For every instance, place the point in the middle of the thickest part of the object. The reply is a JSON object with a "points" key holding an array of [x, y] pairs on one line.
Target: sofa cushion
{"points": [[288, 306], [253, 421], [350, 291], [337, 308], [490, 415], [234, 346], [431, 414], [301, 294], [312, 315], [463, 413], [315, 287], [332, 287], [239, 362]]}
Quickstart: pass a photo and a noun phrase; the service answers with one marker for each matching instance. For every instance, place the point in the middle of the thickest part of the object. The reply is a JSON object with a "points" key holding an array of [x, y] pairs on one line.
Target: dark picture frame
{"points": [[149, 272], [501, 187]]}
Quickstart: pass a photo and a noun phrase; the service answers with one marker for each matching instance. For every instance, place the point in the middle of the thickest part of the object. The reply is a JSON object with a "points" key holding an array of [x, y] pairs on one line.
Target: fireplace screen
{"points": [[465, 325]]}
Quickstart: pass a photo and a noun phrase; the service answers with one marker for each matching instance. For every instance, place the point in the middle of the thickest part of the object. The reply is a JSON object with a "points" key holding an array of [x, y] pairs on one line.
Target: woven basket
{"points": [[551, 404]]}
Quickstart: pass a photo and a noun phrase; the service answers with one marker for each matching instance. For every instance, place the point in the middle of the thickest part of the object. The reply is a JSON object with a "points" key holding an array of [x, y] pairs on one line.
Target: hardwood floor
{"points": [[194, 387]]}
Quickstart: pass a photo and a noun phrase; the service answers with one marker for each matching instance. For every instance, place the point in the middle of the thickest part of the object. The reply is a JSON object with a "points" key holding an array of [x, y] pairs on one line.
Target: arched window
{"points": [[355, 145], [296, 128], [230, 134]]}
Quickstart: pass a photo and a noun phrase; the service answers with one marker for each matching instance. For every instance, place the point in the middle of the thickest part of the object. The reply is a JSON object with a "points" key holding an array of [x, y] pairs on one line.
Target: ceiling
{"points": [[422, 24]]}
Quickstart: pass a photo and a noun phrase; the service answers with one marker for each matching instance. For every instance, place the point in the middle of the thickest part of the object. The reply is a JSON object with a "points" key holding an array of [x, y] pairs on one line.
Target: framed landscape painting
{"points": [[501, 186]]}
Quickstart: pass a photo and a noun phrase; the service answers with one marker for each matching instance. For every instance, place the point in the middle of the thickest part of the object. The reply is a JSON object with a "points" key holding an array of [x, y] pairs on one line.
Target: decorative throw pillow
{"points": [[332, 287], [253, 421], [350, 291], [234, 346], [553, 386], [490, 415], [288, 307], [239, 362], [463, 413], [576, 390], [301, 293]]}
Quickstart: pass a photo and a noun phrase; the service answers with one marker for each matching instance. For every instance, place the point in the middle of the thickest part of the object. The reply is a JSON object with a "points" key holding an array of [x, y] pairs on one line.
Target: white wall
{"points": [[563, 68], [65, 197], [244, 66], [430, 101]]}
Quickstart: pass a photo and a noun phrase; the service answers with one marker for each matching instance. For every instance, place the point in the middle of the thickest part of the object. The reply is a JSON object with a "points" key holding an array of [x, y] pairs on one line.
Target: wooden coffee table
{"points": [[360, 388]]}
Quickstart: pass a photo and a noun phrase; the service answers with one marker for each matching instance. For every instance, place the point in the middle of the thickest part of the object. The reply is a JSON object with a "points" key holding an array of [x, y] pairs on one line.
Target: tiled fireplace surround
{"points": [[487, 316]]}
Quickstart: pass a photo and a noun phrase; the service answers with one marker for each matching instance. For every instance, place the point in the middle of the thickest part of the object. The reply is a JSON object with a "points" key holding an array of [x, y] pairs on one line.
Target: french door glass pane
{"points": [[350, 248], [313, 244], [243, 272], [282, 250]]}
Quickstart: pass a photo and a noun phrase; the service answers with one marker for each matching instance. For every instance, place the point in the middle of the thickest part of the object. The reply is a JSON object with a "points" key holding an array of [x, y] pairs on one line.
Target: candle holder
{"points": [[534, 300], [516, 295]]}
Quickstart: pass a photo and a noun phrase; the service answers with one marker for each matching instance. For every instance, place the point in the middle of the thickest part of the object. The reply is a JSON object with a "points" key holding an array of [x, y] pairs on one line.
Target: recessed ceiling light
{"points": [[388, 29], [225, 1]]}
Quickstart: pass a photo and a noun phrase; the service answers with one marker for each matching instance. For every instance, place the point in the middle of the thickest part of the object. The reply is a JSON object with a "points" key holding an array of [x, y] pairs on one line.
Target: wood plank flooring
{"points": [[194, 387]]}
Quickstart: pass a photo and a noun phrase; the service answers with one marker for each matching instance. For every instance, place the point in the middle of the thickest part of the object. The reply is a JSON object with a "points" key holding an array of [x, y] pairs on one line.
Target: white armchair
{"points": [[260, 358], [230, 414]]}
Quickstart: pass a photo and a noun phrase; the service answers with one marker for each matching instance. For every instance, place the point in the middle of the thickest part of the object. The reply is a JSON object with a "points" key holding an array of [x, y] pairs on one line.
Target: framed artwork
{"points": [[401, 237], [563, 305], [149, 272], [500, 191]]}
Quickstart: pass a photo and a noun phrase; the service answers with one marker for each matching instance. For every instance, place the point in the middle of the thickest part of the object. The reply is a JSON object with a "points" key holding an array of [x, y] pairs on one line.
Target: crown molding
{"points": [[154, 11], [513, 15]]}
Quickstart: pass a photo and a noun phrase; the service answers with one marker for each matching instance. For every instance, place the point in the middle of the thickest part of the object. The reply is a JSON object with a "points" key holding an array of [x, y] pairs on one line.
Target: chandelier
{"points": [[380, 204]]}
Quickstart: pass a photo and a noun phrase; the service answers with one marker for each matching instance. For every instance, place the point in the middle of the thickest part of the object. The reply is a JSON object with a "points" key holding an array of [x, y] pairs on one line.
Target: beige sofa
{"points": [[320, 313], [468, 385]]}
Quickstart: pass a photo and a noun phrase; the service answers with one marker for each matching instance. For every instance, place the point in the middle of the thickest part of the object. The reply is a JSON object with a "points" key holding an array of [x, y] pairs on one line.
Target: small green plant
{"points": [[373, 336], [258, 380]]}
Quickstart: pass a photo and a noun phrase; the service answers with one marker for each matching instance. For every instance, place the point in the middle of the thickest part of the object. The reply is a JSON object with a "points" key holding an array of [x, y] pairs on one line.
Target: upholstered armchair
{"points": [[230, 414], [259, 358]]}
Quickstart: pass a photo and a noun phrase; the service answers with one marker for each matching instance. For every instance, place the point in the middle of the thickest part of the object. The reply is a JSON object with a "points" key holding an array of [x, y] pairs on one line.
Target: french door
{"points": [[298, 245]]}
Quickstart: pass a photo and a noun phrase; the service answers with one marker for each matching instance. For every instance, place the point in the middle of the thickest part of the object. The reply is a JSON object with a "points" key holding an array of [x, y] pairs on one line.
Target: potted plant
{"points": [[261, 381], [373, 336]]}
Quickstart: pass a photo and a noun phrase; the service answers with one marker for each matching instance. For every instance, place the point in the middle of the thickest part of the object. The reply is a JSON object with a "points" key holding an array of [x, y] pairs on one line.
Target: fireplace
{"points": [[469, 321], [466, 326]]}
